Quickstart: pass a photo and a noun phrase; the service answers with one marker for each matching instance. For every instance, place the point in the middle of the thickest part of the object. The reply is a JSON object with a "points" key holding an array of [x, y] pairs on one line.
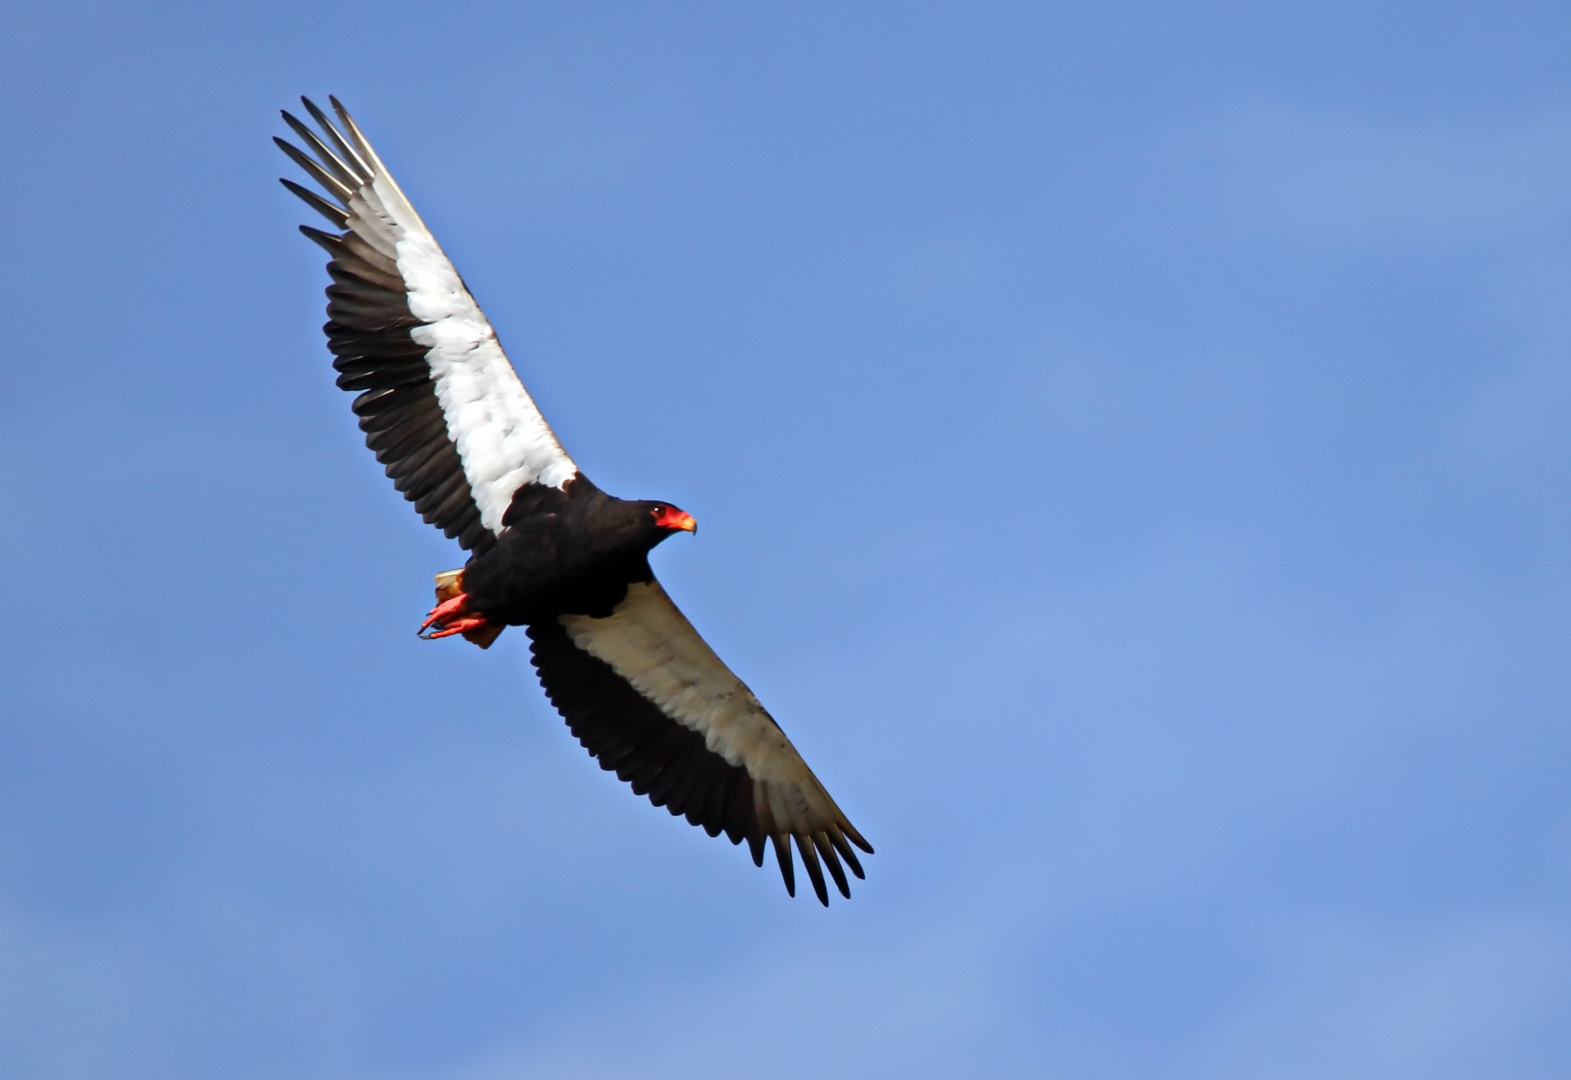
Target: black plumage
{"points": [[605, 714]]}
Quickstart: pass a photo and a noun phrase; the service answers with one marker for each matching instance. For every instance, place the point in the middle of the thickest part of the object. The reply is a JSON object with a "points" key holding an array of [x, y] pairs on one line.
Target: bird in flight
{"points": [[444, 411]]}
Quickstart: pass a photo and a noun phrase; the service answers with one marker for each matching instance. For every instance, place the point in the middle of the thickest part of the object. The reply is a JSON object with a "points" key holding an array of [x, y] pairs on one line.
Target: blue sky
{"points": [[1131, 442]]}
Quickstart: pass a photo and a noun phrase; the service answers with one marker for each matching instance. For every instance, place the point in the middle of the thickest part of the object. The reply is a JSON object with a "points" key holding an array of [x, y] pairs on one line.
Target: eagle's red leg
{"points": [[452, 615], [439, 615]]}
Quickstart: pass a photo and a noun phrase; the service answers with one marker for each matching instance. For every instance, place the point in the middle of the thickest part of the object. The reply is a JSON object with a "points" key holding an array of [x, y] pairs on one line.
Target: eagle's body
{"points": [[564, 552]]}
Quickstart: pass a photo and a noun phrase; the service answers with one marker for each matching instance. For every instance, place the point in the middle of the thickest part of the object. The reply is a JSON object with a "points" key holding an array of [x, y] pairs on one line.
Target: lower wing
{"points": [[649, 698]]}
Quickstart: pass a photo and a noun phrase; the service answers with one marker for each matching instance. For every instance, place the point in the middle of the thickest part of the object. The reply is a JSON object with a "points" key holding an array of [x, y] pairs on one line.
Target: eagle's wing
{"points": [[441, 406], [649, 698]]}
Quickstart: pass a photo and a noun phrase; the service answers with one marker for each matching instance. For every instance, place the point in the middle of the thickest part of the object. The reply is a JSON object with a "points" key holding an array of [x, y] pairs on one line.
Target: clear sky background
{"points": [[1131, 443]]}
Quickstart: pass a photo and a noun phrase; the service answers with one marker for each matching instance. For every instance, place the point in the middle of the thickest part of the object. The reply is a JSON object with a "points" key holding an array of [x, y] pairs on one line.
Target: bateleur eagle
{"points": [[444, 411]]}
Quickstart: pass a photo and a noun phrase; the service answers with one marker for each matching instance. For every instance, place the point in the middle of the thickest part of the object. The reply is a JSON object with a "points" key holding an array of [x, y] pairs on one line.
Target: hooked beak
{"points": [[669, 517]]}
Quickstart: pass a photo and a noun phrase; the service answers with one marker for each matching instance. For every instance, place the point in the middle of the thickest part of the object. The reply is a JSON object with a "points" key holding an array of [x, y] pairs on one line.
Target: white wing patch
{"points": [[649, 642], [502, 439]]}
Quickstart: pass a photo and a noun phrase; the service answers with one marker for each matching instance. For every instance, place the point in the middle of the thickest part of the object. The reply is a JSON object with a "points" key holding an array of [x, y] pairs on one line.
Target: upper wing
{"points": [[441, 406], [650, 699]]}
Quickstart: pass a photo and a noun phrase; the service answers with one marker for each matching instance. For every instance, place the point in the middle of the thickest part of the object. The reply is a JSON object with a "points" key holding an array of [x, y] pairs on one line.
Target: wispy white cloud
{"points": [[1363, 176], [1434, 999], [80, 1005]]}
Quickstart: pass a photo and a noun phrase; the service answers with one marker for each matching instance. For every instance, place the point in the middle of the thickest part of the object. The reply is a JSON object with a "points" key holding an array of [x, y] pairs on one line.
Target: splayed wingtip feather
{"points": [[831, 863], [349, 152], [323, 152], [783, 857], [815, 873]]}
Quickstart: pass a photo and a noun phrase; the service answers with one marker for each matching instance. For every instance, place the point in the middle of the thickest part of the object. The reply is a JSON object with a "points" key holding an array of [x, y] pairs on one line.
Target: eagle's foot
{"points": [[452, 615]]}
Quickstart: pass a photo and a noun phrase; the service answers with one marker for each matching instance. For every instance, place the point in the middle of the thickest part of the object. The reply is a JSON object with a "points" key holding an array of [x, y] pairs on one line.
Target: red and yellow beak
{"points": [[669, 517]]}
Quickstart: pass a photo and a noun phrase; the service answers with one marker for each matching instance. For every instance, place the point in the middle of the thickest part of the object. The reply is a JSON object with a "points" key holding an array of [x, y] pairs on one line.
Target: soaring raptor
{"points": [[444, 411]]}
